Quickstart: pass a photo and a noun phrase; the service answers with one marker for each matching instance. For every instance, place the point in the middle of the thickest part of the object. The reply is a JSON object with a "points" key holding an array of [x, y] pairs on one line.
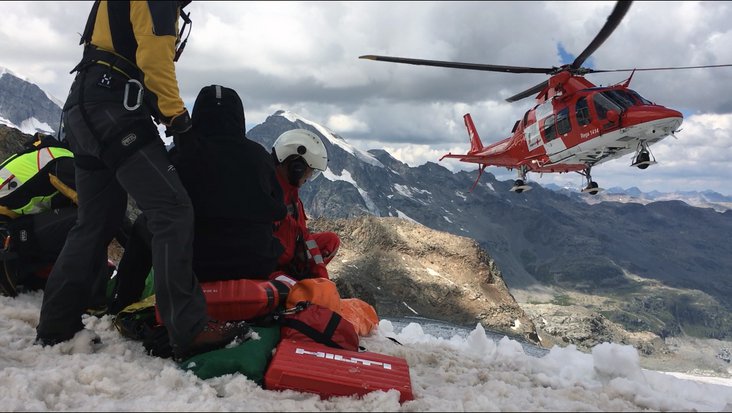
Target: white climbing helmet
{"points": [[305, 144]]}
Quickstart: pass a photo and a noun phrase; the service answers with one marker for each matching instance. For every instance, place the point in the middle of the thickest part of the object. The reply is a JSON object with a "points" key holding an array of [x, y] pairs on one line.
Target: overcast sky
{"points": [[303, 57]]}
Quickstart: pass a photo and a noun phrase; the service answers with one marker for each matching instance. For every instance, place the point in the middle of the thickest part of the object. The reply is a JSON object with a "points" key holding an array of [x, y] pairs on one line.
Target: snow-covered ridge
{"points": [[346, 176], [4, 70], [333, 139], [26, 106]]}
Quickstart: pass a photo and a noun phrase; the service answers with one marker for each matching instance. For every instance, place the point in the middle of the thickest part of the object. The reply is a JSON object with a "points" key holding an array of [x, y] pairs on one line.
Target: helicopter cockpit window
{"points": [[639, 98], [550, 132], [563, 125], [582, 109], [603, 104], [621, 98], [515, 126]]}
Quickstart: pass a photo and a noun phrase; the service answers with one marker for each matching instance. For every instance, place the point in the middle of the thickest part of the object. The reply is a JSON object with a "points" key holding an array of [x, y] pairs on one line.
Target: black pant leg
{"points": [[68, 292]]}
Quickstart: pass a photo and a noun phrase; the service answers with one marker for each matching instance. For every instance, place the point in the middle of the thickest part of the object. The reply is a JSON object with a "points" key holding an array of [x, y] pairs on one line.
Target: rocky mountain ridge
{"points": [[545, 242], [27, 107]]}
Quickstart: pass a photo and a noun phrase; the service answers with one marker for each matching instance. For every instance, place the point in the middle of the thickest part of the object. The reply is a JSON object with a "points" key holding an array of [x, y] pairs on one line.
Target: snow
{"points": [[359, 154], [463, 372], [4, 70], [346, 176], [33, 125], [409, 191], [8, 123]]}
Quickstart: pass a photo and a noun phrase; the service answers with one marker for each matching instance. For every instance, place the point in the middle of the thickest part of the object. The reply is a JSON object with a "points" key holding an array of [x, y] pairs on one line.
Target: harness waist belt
{"points": [[95, 55]]}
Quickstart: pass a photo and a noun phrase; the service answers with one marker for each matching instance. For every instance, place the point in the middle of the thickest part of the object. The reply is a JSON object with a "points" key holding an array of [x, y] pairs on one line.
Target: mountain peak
{"points": [[330, 136], [25, 106], [4, 70]]}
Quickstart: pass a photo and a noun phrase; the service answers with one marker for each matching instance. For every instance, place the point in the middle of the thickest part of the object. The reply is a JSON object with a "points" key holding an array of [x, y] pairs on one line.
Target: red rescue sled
{"points": [[315, 368]]}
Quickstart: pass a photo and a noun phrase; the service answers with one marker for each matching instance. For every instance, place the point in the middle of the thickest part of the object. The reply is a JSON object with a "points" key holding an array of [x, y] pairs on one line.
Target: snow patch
{"points": [[33, 125], [346, 176]]}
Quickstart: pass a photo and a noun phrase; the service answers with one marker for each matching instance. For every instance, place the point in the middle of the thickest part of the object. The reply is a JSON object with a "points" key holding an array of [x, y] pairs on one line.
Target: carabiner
{"points": [[140, 91]]}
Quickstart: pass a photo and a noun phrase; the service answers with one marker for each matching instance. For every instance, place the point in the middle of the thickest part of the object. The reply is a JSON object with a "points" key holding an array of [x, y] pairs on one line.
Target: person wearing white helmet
{"points": [[300, 156]]}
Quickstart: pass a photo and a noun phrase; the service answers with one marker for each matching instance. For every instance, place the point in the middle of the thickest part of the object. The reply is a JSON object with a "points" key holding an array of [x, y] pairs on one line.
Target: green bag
{"points": [[250, 358]]}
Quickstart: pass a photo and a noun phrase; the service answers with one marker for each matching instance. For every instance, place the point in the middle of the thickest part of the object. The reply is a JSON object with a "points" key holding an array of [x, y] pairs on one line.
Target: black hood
{"points": [[218, 111]]}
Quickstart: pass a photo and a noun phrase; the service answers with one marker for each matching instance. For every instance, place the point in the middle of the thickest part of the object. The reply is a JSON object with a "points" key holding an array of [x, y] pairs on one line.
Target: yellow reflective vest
{"points": [[21, 168]]}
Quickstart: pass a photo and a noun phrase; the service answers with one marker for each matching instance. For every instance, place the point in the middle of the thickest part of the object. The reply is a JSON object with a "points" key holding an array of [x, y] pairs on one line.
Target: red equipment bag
{"points": [[242, 299], [315, 368], [311, 322]]}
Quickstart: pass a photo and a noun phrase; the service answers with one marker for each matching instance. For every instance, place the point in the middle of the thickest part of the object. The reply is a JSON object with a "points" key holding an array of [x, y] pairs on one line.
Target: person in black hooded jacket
{"points": [[235, 193], [236, 199]]}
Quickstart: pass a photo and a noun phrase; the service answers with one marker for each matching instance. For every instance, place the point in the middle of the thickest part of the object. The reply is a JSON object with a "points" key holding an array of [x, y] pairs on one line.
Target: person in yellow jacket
{"points": [[125, 79]]}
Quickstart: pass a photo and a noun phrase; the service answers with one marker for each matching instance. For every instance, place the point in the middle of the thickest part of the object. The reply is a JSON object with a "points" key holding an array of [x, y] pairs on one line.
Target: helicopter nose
{"points": [[665, 119]]}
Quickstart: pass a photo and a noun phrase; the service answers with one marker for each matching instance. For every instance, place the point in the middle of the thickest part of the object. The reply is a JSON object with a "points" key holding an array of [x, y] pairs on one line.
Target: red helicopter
{"points": [[574, 125]]}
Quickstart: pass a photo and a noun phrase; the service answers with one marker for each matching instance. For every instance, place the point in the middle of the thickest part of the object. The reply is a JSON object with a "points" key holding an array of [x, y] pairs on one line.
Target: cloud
{"points": [[303, 57]]}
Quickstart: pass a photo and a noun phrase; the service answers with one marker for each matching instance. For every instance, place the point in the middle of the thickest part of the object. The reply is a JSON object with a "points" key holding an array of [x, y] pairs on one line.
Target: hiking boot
{"points": [[82, 336], [215, 334]]}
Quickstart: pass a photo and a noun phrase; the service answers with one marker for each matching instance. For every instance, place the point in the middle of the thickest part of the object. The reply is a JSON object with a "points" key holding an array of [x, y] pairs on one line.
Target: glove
{"points": [[181, 127]]}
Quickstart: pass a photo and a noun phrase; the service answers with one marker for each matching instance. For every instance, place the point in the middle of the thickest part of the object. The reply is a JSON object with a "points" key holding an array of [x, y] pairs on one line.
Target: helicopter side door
{"points": [[553, 144]]}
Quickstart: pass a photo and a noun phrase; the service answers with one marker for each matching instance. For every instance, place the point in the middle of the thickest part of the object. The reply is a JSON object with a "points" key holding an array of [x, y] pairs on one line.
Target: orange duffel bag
{"points": [[361, 314]]}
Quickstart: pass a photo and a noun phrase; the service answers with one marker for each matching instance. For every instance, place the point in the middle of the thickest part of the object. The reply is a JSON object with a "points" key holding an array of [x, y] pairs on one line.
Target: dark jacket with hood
{"points": [[236, 197]]}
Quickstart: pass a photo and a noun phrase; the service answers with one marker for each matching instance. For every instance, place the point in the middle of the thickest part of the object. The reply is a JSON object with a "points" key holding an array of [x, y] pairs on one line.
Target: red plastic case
{"points": [[315, 368]]}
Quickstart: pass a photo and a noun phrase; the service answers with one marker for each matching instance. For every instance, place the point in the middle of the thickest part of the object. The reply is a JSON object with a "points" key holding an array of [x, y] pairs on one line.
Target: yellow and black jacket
{"points": [[144, 35]]}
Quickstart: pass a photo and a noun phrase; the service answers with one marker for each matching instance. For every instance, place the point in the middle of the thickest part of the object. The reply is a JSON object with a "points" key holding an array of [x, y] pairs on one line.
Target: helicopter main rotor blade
{"points": [[528, 92], [656, 68], [612, 22], [459, 65]]}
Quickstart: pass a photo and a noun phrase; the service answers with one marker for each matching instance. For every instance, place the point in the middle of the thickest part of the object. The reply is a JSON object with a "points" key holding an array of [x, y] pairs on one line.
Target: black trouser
{"points": [[38, 240], [146, 174]]}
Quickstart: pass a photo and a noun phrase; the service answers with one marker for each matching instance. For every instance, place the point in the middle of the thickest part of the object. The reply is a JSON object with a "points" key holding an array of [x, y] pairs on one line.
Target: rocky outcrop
{"points": [[573, 324], [11, 141], [403, 268]]}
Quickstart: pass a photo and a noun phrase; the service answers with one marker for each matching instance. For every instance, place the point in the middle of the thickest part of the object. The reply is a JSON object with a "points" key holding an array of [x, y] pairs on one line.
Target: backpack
{"points": [[32, 192], [312, 322]]}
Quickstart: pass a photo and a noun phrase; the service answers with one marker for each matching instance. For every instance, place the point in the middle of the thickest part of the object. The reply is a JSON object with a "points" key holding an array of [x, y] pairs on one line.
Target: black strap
{"points": [[322, 338], [283, 290], [335, 319], [120, 26], [395, 340], [270, 296], [89, 28]]}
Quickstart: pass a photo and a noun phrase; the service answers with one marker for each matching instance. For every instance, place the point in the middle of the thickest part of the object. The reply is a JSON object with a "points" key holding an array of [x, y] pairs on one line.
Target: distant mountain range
{"points": [[701, 199], [540, 237], [555, 236], [24, 106]]}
